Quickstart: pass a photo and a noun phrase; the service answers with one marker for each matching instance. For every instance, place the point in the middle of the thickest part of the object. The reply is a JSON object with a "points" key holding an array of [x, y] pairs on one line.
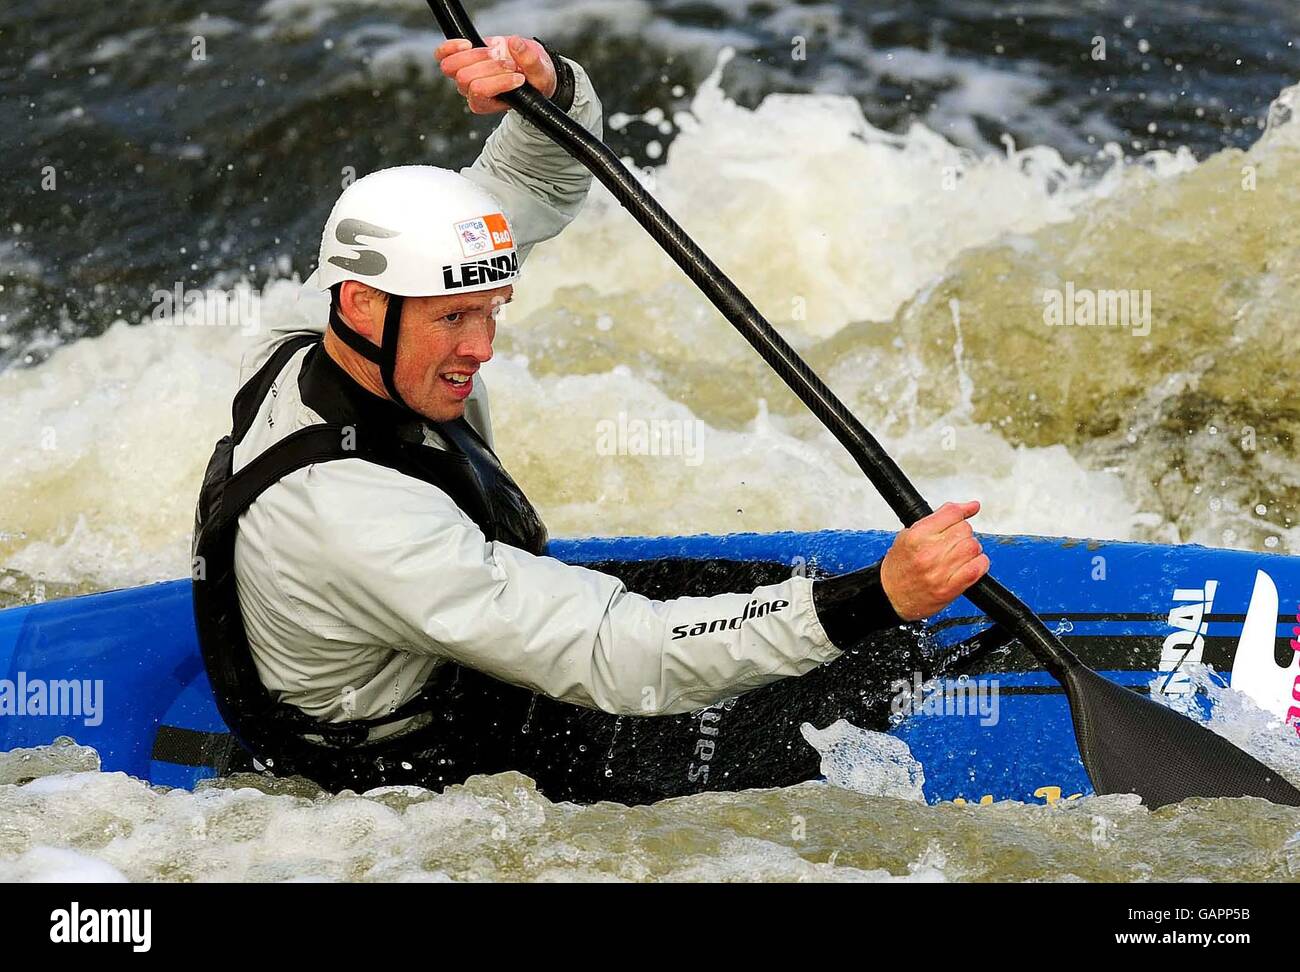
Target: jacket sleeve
{"points": [[394, 560], [538, 184]]}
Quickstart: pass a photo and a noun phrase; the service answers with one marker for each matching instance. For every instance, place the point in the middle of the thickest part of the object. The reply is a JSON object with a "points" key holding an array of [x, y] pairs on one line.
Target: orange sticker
{"points": [[500, 230]]}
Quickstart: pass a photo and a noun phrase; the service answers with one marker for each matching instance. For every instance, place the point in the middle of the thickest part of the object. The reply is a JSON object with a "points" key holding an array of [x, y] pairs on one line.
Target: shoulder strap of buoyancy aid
{"points": [[324, 442], [251, 394]]}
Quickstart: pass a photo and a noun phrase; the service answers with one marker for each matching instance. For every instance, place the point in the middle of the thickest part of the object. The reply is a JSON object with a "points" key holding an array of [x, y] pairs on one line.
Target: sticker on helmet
{"points": [[498, 268], [367, 263], [483, 234]]}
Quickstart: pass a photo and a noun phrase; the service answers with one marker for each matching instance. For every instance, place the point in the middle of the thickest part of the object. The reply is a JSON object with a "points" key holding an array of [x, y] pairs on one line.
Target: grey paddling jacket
{"points": [[356, 582]]}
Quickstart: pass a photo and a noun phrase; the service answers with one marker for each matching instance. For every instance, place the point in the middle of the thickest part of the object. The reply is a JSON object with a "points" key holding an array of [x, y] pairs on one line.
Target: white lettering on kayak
{"points": [[1187, 644], [1255, 671]]}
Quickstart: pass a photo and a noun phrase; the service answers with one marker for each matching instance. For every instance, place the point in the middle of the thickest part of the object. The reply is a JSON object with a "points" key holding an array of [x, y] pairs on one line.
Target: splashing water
{"points": [[1235, 716], [870, 763]]}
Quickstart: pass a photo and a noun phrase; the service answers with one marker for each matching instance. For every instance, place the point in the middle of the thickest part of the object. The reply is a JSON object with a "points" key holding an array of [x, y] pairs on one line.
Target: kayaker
{"points": [[374, 601]]}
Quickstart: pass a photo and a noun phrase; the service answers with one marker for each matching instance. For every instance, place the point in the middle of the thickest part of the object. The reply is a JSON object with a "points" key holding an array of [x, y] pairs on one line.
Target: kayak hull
{"points": [[121, 672]]}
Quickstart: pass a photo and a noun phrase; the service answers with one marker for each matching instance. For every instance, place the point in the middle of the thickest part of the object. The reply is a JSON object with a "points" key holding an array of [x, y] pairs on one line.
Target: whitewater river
{"points": [[897, 200]]}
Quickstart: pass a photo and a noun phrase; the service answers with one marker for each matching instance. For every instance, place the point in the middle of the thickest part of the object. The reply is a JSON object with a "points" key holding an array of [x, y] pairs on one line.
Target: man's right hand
{"points": [[933, 562], [483, 73]]}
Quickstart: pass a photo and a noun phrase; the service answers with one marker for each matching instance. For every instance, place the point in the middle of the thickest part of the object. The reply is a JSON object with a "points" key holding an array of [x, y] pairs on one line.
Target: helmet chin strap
{"points": [[385, 354]]}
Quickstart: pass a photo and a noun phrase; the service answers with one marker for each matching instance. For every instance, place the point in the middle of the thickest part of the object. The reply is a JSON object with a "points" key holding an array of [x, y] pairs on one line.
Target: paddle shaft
{"points": [[987, 594]]}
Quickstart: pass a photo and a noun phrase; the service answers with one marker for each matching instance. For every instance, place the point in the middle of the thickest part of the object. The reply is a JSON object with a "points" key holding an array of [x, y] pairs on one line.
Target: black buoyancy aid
{"points": [[358, 426]]}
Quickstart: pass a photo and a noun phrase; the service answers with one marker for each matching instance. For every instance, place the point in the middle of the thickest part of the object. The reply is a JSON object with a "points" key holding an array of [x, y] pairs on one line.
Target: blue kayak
{"points": [[120, 671]]}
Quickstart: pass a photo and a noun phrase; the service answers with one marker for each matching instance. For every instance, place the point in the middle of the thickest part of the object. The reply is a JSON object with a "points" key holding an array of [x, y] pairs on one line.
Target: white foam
{"points": [[58, 865], [821, 218], [801, 199]]}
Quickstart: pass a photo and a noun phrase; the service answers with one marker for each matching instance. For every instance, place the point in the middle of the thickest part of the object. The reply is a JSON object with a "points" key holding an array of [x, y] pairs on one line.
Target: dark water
{"points": [[169, 167]]}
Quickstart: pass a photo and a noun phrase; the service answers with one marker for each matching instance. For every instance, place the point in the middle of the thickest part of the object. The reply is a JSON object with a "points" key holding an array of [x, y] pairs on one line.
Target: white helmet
{"points": [[412, 231], [417, 231]]}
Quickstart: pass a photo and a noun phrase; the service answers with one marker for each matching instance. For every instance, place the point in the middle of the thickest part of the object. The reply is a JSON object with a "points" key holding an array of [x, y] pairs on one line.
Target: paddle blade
{"points": [[1131, 744]]}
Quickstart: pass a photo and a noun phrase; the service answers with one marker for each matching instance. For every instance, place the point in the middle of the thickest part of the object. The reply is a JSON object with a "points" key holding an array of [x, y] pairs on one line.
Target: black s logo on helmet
{"points": [[367, 263]]}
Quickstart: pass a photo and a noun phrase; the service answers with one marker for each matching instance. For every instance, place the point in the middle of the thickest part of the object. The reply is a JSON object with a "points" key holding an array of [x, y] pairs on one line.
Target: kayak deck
{"points": [[121, 672]]}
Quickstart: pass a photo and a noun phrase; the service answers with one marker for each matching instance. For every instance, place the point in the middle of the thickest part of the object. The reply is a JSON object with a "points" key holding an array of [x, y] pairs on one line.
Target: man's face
{"points": [[444, 341]]}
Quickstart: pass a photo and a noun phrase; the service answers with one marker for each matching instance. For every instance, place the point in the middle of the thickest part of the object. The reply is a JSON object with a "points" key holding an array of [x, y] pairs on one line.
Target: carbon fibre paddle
{"points": [[1129, 744]]}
